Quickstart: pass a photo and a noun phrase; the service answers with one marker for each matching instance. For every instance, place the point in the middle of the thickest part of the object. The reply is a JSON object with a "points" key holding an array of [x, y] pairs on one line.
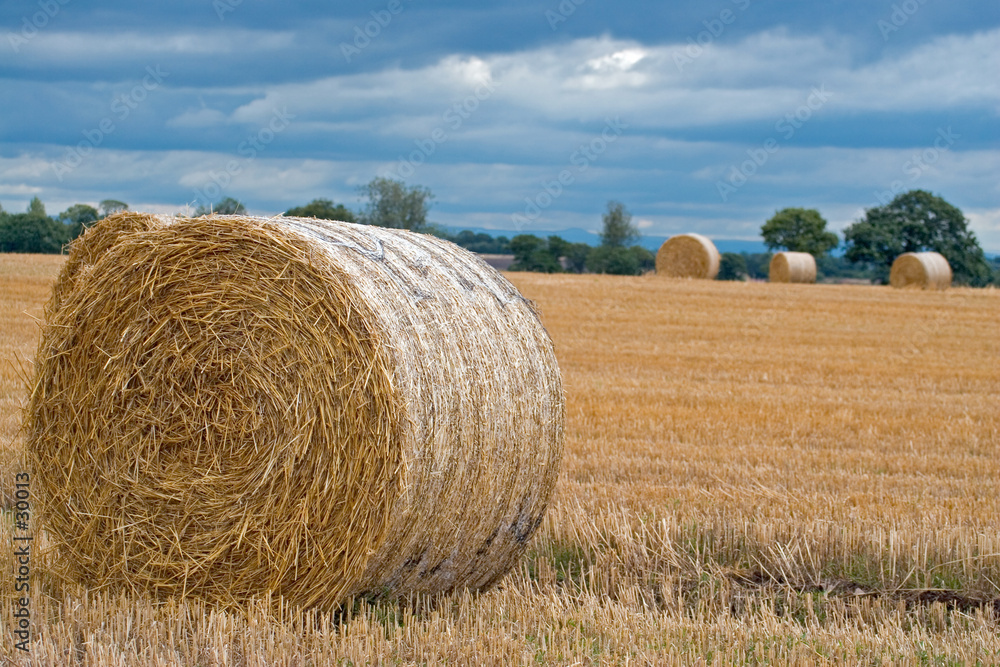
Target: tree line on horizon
{"points": [[912, 222]]}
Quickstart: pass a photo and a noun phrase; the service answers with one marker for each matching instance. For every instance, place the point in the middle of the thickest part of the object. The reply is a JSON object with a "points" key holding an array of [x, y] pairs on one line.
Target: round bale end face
{"points": [[229, 407], [688, 256], [921, 270]]}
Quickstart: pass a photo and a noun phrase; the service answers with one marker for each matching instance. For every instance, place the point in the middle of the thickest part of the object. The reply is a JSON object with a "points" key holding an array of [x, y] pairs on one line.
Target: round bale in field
{"points": [[230, 406], [792, 267], [926, 270], [688, 256]]}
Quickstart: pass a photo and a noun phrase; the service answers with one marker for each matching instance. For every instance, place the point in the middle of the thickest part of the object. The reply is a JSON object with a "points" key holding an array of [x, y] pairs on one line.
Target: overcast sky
{"points": [[699, 116]]}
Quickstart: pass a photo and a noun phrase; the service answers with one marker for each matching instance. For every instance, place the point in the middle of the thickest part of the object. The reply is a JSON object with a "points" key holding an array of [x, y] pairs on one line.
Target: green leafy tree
{"points": [[32, 231], [646, 259], [558, 246], [576, 257], [532, 253], [464, 238], [572, 255], [798, 230], [995, 267], [478, 242], [392, 204], [112, 206], [732, 266], [917, 221], [838, 268], [37, 208], [758, 265], [323, 209], [618, 231], [482, 243], [620, 261], [78, 217], [228, 206], [84, 214], [615, 260]]}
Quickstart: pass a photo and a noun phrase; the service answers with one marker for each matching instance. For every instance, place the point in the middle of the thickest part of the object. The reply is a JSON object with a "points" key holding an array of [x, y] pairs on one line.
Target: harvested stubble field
{"points": [[754, 474]]}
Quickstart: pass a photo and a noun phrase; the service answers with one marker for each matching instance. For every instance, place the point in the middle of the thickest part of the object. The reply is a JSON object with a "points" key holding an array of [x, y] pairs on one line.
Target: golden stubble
{"points": [[753, 473]]}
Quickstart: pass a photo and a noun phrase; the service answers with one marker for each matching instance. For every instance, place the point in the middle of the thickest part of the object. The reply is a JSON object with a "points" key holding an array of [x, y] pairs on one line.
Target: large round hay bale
{"points": [[792, 267], [688, 256], [926, 270], [233, 406]]}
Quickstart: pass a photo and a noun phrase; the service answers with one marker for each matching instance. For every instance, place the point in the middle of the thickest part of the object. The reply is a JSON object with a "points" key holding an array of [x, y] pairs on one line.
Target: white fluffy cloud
{"points": [[198, 118], [96, 47], [487, 194], [986, 224], [762, 77]]}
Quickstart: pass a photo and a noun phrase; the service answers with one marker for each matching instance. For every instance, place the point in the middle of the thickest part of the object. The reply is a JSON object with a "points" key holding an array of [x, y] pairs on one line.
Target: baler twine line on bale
{"points": [[926, 270], [688, 256], [231, 407], [792, 267], [378, 255]]}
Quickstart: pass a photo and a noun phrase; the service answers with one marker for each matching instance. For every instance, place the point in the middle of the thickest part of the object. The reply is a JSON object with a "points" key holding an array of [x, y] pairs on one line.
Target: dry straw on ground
{"points": [[926, 270], [230, 406], [792, 267], [804, 482], [688, 256]]}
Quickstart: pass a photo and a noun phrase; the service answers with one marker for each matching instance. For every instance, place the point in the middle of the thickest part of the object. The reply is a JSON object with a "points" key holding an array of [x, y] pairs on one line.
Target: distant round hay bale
{"points": [[688, 256], [232, 406], [926, 270], [792, 267]]}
